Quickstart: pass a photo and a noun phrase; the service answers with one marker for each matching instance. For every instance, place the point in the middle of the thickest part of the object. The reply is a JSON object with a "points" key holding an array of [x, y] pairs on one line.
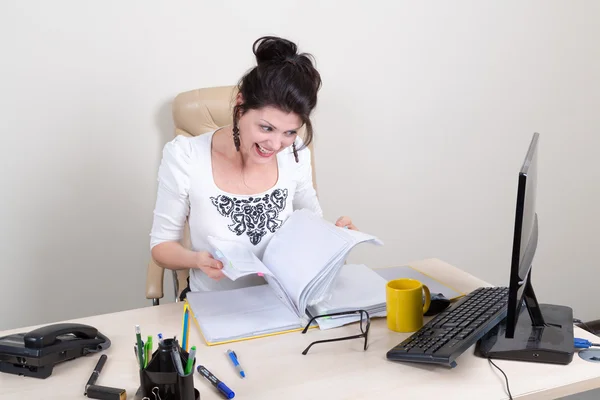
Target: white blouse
{"points": [[186, 189]]}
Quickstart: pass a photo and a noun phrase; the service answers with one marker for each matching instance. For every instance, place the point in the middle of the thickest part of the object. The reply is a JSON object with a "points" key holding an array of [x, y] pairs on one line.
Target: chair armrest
{"points": [[154, 281]]}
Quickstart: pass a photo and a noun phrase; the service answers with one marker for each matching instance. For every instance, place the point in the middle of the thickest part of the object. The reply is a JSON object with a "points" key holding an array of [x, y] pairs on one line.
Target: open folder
{"points": [[299, 264], [357, 287]]}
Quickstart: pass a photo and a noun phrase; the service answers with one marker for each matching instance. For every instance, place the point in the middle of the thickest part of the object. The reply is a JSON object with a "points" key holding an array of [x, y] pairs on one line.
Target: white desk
{"points": [[276, 369]]}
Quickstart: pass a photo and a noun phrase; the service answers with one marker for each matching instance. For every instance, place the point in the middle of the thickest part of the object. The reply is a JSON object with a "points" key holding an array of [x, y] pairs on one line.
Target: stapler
{"points": [[35, 353]]}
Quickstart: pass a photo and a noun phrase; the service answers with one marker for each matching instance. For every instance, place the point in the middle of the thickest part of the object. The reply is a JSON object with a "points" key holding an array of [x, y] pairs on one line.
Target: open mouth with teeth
{"points": [[263, 152]]}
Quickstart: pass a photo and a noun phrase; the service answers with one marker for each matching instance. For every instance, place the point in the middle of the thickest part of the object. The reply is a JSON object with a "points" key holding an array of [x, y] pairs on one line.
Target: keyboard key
{"points": [[451, 324]]}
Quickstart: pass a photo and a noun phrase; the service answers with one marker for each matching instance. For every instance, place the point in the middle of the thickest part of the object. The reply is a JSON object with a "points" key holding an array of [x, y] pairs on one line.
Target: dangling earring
{"points": [[236, 137], [295, 151]]}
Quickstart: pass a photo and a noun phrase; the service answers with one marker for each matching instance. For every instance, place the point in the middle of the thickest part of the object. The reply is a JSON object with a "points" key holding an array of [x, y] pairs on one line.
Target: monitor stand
{"points": [[542, 335]]}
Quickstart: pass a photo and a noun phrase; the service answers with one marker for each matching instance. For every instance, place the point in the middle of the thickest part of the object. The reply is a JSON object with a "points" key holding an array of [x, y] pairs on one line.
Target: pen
{"points": [[236, 363], [145, 355], [92, 391], [96, 372], [190, 361], [140, 350], [228, 393], [160, 338], [177, 360], [148, 348]]}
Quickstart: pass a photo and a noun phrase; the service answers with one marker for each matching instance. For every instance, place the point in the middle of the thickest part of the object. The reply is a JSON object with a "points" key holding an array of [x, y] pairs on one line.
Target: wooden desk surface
{"points": [[276, 369]]}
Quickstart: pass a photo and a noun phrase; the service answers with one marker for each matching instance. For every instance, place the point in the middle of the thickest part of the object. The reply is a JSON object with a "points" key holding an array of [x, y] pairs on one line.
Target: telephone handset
{"points": [[47, 335], [36, 352]]}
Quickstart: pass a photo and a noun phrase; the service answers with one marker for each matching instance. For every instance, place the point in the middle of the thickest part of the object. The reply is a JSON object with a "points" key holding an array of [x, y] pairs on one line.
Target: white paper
{"points": [[303, 247], [237, 259], [356, 287], [239, 313], [300, 264]]}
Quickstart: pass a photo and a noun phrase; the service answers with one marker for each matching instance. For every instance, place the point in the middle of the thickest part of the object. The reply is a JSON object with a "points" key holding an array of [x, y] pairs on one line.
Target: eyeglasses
{"points": [[365, 323]]}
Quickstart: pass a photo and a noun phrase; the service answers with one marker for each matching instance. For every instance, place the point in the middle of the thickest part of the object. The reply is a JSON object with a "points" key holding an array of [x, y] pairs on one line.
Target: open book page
{"points": [[357, 237], [302, 247], [356, 287], [320, 286], [240, 313], [238, 260]]}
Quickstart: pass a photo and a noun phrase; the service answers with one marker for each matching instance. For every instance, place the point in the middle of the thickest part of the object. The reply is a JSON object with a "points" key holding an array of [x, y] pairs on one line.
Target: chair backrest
{"points": [[203, 110]]}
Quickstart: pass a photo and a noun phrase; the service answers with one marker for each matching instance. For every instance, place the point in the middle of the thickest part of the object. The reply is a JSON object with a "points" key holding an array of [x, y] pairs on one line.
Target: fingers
{"points": [[205, 259], [210, 266], [212, 273], [216, 274], [345, 222], [216, 264]]}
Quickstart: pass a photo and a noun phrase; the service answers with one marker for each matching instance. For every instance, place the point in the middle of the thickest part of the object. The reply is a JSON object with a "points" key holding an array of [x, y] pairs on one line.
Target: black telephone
{"points": [[36, 352]]}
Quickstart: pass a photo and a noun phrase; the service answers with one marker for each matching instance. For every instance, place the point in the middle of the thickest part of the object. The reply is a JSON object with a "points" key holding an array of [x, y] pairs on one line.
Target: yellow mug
{"points": [[404, 304]]}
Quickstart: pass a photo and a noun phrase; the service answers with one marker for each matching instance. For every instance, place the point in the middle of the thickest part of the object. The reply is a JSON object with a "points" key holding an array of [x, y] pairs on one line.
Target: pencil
{"points": [[186, 328]]}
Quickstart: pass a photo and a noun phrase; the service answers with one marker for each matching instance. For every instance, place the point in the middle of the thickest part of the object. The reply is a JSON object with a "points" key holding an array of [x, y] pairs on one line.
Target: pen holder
{"points": [[161, 373]]}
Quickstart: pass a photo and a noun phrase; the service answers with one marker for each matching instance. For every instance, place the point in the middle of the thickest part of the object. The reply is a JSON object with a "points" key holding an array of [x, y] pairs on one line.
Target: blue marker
{"points": [[228, 393], [236, 363]]}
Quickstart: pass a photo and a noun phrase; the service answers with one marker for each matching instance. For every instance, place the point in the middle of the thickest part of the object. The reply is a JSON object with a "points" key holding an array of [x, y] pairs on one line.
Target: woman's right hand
{"points": [[209, 265]]}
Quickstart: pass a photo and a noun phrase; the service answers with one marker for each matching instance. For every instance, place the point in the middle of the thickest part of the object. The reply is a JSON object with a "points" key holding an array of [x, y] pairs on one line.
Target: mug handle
{"points": [[427, 299]]}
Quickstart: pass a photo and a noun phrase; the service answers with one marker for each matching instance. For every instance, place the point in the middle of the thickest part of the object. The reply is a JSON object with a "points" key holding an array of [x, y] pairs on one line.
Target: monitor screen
{"points": [[529, 229], [525, 234]]}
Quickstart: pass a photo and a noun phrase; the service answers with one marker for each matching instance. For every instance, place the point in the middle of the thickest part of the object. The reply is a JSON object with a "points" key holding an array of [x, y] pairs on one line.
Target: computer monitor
{"points": [[525, 240], [545, 333]]}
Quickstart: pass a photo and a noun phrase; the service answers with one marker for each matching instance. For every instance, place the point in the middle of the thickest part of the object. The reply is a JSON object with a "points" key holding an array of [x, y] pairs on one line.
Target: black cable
{"points": [[578, 321], [505, 377]]}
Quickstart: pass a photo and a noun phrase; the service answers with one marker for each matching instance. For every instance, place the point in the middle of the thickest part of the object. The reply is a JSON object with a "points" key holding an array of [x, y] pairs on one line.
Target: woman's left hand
{"points": [[345, 222]]}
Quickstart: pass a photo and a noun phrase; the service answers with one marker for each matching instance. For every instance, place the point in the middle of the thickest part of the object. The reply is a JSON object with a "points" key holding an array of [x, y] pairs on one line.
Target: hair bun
{"points": [[269, 49]]}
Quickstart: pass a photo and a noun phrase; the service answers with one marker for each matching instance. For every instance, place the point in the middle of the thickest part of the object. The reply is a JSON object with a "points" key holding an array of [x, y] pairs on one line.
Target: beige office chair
{"points": [[194, 113]]}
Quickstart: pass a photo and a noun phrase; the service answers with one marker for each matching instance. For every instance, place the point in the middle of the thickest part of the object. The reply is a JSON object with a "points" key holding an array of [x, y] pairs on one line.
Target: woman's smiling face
{"points": [[265, 132]]}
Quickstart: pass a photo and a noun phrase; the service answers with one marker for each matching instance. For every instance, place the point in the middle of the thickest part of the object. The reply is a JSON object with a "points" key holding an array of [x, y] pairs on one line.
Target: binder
{"points": [[256, 320], [299, 264]]}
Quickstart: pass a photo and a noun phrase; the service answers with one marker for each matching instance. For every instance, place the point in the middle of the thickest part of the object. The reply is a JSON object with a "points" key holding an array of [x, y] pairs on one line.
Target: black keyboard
{"points": [[450, 333]]}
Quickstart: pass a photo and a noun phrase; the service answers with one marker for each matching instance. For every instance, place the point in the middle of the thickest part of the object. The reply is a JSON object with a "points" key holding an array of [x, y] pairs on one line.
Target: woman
{"points": [[242, 181]]}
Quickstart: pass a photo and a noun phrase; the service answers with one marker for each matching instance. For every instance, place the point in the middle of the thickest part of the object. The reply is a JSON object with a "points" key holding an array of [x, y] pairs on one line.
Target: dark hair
{"points": [[283, 79]]}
